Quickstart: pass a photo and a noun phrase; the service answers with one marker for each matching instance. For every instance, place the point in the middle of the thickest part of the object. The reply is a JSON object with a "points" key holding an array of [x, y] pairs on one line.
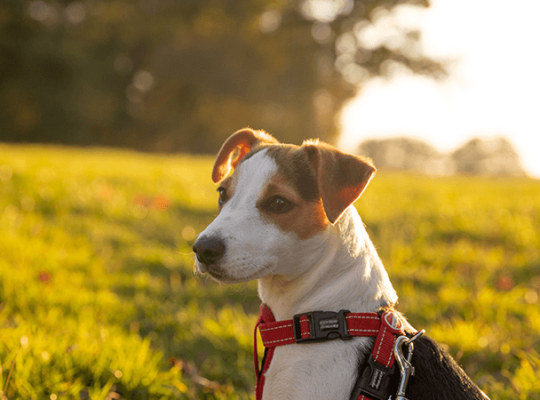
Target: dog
{"points": [[286, 218]]}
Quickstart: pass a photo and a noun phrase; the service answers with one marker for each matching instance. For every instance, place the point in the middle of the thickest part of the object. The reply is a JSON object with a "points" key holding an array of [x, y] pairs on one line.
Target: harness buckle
{"points": [[375, 381], [323, 325]]}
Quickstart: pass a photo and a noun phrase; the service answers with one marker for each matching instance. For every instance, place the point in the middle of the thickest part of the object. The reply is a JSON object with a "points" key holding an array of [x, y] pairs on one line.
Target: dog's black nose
{"points": [[209, 249]]}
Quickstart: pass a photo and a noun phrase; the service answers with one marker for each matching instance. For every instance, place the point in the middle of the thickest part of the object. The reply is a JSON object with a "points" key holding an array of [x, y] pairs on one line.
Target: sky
{"points": [[493, 88]]}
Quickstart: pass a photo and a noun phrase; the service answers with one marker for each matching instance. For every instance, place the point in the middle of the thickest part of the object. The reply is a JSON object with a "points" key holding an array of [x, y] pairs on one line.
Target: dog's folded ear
{"points": [[341, 177], [235, 148]]}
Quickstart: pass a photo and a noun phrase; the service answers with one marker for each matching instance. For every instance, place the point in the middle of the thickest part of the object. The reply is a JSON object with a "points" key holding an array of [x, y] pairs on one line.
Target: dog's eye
{"points": [[279, 205], [222, 195]]}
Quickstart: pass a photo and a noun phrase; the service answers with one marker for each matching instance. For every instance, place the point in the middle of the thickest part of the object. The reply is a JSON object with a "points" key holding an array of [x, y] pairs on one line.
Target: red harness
{"points": [[320, 326]]}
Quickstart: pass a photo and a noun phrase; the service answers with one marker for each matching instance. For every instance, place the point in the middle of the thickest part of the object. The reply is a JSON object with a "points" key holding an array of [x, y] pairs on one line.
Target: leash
{"points": [[318, 326]]}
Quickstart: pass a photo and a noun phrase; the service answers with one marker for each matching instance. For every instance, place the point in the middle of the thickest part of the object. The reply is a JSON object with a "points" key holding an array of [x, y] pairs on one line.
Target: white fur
{"points": [[250, 240], [348, 274], [334, 269]]}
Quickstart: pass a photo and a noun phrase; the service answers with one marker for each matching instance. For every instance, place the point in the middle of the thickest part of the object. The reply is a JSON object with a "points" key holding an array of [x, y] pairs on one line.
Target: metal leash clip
{"points": [[405, 367]]}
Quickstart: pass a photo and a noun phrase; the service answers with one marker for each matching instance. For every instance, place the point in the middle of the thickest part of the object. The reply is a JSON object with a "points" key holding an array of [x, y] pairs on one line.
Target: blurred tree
{"points": [[494, 156], [166, 75], [401, 153]]}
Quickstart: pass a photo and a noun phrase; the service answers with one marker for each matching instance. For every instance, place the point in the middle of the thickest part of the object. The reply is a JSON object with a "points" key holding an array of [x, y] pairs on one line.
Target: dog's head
{"points": [[276, 206]]}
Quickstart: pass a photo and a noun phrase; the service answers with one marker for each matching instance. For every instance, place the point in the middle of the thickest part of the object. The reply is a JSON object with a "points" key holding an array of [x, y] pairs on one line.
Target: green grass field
{"points": [[99, 299]]}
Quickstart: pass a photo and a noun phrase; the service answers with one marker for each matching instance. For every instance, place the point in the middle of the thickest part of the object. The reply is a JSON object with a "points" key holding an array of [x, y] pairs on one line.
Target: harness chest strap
{"points": [[320, 326]]}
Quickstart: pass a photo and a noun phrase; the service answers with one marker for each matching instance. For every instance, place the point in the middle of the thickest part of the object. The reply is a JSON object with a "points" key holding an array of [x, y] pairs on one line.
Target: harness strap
{"points": [[383, 350], [310, 326], [265, 316], [282, 332]]}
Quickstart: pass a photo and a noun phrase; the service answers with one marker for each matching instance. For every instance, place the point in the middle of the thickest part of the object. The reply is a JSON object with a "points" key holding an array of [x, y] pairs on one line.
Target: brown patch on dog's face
{"points": [[294, 167], [226, 190], [306, 220], [291, 198]]}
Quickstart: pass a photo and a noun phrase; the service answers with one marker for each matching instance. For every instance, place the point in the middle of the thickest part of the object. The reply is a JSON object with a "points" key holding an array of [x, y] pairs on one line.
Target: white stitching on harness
{"points": [[361, 317], [277, 327], [390, 357], [381, 342], [279, 340]]}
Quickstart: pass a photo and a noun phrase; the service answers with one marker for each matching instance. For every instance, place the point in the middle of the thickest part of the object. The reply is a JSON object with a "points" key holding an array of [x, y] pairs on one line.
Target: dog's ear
{"points": [[235, 148], [341, 177]]}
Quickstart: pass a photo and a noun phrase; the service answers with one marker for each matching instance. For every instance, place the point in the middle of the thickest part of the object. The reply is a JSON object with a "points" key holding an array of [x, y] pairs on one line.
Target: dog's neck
{"points": [[340, 269]]}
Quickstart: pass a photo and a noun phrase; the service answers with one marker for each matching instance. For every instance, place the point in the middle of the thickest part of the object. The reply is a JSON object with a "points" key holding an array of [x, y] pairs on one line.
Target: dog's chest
{"points": [[320, 370]]}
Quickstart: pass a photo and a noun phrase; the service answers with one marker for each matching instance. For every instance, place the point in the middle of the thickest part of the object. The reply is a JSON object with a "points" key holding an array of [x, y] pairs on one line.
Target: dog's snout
{"points": [[209, 250]]}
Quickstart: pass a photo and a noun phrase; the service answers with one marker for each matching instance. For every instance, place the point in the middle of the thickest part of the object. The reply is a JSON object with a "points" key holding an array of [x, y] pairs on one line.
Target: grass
{"points": [[98, 298]]}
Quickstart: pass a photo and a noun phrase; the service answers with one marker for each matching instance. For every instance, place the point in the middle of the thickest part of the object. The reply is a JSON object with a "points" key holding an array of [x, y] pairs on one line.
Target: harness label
{"points": [[330, 323], [376, 379]]}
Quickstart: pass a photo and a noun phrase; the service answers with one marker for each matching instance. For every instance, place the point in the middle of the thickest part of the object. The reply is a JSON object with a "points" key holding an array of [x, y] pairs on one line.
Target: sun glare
{"points": [[492, 89]]}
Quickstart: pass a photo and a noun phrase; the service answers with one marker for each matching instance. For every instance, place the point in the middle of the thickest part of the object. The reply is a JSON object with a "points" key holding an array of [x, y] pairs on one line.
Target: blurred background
{"points": [[180, 76], [111, 113]]}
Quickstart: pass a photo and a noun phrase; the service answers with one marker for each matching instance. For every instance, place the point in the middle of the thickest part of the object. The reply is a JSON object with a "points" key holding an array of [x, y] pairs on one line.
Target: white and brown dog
{"points": [[286, 218]]}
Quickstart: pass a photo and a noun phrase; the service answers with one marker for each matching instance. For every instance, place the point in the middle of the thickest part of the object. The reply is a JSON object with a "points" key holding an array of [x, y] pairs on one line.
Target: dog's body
{"points": [[286, 218]]}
